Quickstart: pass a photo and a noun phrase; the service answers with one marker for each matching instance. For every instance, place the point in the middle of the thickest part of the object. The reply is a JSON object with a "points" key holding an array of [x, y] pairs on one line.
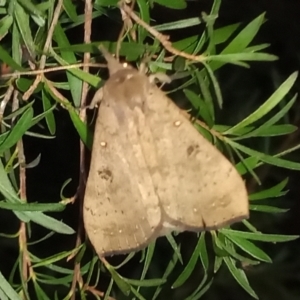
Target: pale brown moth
{"points": [[151, 171]]}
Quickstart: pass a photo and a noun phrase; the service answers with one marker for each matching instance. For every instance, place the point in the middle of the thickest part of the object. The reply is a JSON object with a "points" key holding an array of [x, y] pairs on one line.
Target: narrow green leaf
{"points": [[204, 260], [245, 36], [119, 280], [210, 19], [137, 294], [275, 98], [91, 79], [24, 84], [69, 56], [32, 206], [108, 290], [22, 19], [256, 48], [249, 226], [82, 129], [107, 2], [6, 58], [239, 276], [52, 281], [55, 258], [229, 247], [53, 267], [43, 115], [203, 252], [174, 4], [39, 292], [70, 9], [50, 120], [272, 160], [258, 236], [149, 256], [18, 111], [49, 222], [125, 261], [30, 7], [2, 295], [179, 64], [7, 289], [188, 44], [276, 130], [145, 16], [238, 58], [258, 131], [189, 267], [9, 192], [214, 12], [250, 248], [44, 238], [193, 44], [267, 209], [40, 21], [184, 23], [218, 263], [247, 164], [206, 91], [218, 245], [170, 267], [201, 291], [222, 34], [18, 130], [93, 268], [199, 105], [5, 24], [174, 245], [146, 282], [84, 132], [281, 114], [241, 158], [274, 191], [215, 84]]}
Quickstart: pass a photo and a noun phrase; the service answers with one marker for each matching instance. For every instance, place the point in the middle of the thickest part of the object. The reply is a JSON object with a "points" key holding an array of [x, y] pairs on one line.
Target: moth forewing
{"points": [[151, 171]]}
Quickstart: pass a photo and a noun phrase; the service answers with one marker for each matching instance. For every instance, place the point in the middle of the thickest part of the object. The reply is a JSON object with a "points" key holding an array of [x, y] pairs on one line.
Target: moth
{"points": [[151, 171]]}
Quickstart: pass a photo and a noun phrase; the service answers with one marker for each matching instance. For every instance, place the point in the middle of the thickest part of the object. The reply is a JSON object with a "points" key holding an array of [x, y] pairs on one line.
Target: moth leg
{"points": [[97, 99], [161, 77], [143, 69]]}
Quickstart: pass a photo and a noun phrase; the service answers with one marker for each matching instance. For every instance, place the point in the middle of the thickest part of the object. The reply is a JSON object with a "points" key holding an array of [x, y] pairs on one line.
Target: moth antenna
{"points": [[112, 64]]}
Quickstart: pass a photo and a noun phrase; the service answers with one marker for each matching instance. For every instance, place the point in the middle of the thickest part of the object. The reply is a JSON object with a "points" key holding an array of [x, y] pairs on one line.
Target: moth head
{"points": [[113, 64]]}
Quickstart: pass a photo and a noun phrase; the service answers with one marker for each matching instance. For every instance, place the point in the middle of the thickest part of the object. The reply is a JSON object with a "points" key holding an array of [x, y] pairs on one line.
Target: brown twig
{"points": [[164, 39], [53, 69], [127, 24], [45, 50], [63, 100], [98, 293], [26, 263], [5, 100], [82, 177], [203, 125]]}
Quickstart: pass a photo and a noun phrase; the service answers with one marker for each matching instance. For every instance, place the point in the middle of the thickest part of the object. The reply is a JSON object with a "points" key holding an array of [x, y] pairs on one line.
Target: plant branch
{"points": [[164, 39], [45, 50], [82, 175]]}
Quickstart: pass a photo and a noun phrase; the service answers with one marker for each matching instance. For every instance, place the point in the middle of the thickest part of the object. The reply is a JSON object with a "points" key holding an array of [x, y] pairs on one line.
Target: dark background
{"points": [[243, 91]]}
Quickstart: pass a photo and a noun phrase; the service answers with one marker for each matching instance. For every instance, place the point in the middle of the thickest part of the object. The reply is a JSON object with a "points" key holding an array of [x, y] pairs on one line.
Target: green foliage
{"points": [[23, 22]]}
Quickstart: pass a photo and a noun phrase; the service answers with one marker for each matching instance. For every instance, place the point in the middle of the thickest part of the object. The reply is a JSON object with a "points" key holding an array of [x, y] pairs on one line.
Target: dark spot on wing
{"points": [[191, 149], [106, 174]]}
